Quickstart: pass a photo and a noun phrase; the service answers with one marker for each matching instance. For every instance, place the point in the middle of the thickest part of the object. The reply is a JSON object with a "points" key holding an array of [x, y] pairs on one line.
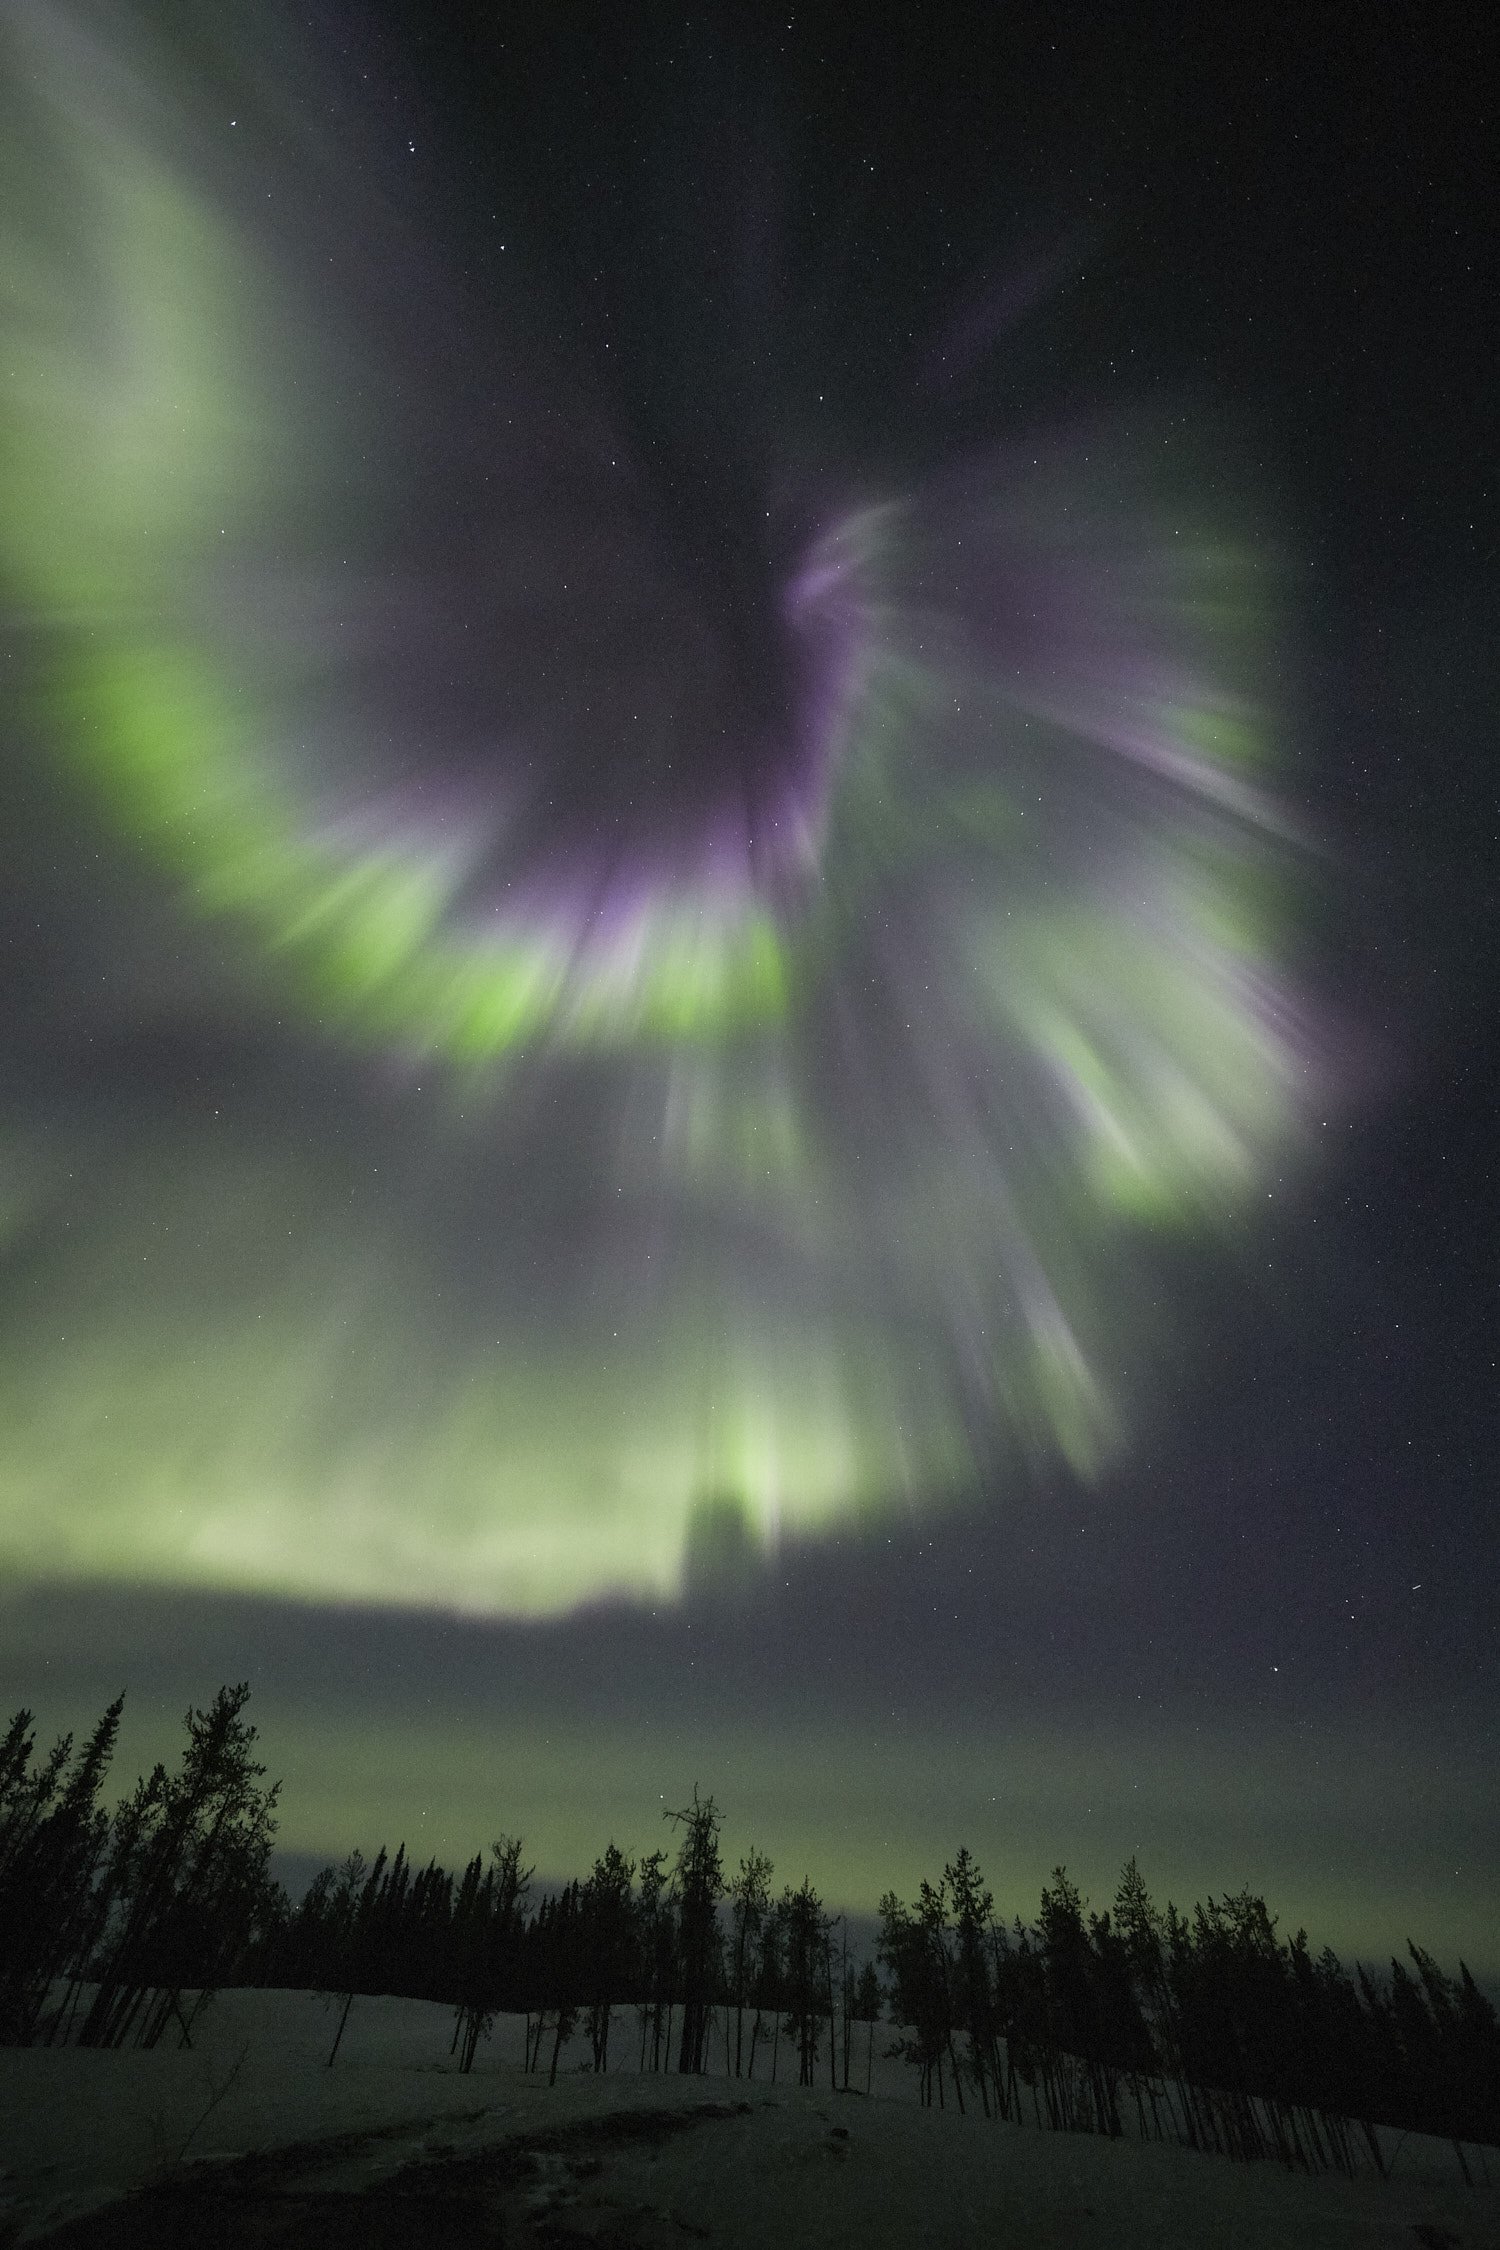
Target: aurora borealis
{"points": [[670, 901]]}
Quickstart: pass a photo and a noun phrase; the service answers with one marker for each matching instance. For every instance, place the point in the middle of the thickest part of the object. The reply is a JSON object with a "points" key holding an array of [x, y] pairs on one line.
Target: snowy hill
{"points": [[251, 2139]]}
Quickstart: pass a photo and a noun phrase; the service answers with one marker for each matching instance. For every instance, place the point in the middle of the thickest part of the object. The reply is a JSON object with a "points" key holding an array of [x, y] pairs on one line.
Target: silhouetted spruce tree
{"points": [[486, 1941], [1140, 1931], [383, 1929], [1269, 2031], [847, 1987], [750, 1893], [804, 1973], [867, 2010], [1305, 2066], [1455, 2056], [535, 1979], [914, 1945], [916, 1994], [1222, 1977], [1028, 2024], [561, 1919], [308, 1942], [540, 1977], [349, 1941], [975, 2003], [608, 1944], [465, 1983], [833, 2041], [1417, 2060], [493, 1965], [1022, 2008], [698, 1885], [933, 1917], [394, 1931], [1180, 1967], [1124, 2040], [1002, 1988], [1476, 2034], [186, 1847], [769, 1985], [430, 1916], [262, 1963], [53, 1839], [1345, 2043], [655, 1954], [1077, 2012]]}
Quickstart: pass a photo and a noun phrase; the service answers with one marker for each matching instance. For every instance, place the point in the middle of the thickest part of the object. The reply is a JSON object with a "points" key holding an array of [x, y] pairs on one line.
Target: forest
{"points": [[1204, 2027]]}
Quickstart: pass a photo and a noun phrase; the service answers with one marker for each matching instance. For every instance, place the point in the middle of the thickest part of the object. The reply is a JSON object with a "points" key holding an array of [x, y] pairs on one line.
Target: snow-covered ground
{"points": [[745, 2163]]}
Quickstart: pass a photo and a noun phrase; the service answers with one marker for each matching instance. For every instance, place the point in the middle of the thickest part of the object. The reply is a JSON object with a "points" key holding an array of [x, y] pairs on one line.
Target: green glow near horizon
{"points": [[245, 1441], [1202, 1809], [1206, 1808]]}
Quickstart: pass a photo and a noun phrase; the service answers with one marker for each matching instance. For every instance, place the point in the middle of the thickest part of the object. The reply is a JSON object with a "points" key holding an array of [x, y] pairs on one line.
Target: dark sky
{"points": [[748, 835]]}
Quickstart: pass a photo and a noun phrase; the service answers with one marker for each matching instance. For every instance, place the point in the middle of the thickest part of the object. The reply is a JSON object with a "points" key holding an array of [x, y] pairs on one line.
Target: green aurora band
{"points": [[237, 1362]]}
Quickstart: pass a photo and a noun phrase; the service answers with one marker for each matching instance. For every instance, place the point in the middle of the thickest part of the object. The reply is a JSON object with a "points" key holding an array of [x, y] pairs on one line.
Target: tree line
{"points": [[1207, 2028]]}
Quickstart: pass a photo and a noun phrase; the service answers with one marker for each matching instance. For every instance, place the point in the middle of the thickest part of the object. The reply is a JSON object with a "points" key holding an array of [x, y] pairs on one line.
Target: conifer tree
{"points": [[53, 1837], [973, 1910], [189, 1856], [768, 1988], [485, 1944], [806, 1974], [867, 2006], [562, 1969], [349, 1950], [750, 1893], [698, 1885], [608, 1943], [656, 1954]]}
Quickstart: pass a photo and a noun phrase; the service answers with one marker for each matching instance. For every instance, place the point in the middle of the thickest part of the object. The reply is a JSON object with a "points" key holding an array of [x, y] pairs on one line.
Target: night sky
{"points": [[748, 825]]}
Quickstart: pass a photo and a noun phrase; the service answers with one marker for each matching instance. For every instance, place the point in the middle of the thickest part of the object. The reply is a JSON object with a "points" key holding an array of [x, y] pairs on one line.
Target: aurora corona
{"points": [[799, 950]]}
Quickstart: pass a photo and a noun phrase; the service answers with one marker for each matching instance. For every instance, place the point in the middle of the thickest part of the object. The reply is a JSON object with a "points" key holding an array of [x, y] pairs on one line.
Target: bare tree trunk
{"points": [[957, 2081], [343, 2019], [833, 2028]]}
